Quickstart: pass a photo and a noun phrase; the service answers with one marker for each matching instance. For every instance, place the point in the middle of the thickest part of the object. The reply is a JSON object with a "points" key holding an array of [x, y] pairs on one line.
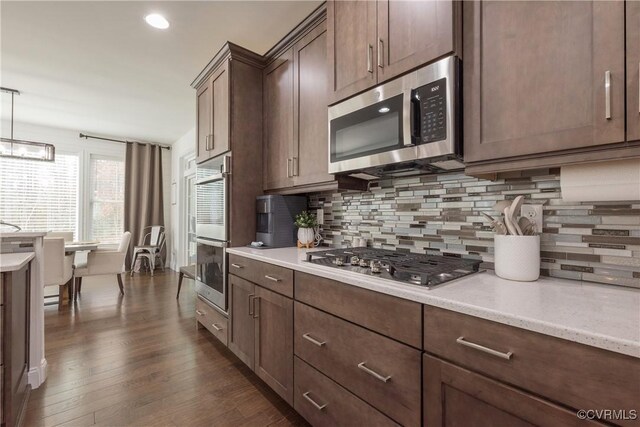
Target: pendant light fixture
{"points": [[19, 149]]}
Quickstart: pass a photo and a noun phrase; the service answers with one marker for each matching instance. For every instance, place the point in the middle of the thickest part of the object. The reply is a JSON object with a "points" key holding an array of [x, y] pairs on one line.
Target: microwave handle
{"points": [[415, 115]]}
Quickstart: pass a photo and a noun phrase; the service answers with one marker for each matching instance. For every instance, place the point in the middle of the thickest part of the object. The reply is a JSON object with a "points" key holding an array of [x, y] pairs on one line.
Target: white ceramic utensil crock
{"points": [[517, 257]]}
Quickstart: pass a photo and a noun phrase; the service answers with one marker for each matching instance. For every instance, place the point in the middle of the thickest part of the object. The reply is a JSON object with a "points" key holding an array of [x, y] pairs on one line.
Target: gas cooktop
{"points": [[416, 269]]}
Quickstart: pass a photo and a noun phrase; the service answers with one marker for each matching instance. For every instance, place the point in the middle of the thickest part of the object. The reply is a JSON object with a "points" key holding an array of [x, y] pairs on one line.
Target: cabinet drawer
{"points": [[212, 319], [270, 276], [394, 317], [381, 371], [576, 375], [323, 402]]}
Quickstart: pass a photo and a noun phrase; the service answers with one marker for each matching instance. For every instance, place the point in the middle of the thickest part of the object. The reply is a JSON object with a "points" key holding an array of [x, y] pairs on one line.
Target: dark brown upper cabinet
{"points": [[633, 70], [203, 122], [296, 82], [278, 122], [228, 91], [310, 147], [370, 42], [412, 33], [544, 83]]}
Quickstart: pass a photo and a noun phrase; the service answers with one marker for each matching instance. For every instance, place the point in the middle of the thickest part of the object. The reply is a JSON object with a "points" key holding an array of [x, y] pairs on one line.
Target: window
{"points": [[40, 195], [106, 199]]}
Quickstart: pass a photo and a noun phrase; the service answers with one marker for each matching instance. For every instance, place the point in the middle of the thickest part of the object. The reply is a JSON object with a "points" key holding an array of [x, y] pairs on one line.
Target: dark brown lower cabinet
{"points": [[261, 333], [242, 330], [14, 359], [454, 396], [274, 341], [324, 402]]}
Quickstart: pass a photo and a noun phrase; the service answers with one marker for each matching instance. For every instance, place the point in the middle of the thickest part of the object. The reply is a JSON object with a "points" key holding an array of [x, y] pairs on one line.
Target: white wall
{"points": [[180, 150]]}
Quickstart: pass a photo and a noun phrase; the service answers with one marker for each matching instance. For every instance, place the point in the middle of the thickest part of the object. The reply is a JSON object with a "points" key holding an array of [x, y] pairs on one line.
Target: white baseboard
{"points": [[38, 374]]}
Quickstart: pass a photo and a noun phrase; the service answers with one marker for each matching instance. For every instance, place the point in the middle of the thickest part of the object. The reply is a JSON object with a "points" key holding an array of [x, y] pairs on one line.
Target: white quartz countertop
{"points": [[603, 316], [15, 261]]}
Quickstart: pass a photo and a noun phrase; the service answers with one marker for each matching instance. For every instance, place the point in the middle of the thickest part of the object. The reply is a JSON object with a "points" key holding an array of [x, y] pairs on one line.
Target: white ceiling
{"points": [[97, 67]]}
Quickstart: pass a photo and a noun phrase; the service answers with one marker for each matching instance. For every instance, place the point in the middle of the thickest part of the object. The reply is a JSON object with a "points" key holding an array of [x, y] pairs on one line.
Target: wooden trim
{"points": [[232, 50], [620, 151], [299, 31]]}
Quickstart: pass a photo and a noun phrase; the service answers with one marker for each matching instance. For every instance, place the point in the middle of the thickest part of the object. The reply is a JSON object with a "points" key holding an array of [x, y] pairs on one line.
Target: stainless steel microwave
{"points": [[406, 126]]}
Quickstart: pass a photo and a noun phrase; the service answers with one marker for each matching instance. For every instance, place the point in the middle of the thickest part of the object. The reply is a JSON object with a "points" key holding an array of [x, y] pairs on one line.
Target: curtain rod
{"points": [[85, 136]]}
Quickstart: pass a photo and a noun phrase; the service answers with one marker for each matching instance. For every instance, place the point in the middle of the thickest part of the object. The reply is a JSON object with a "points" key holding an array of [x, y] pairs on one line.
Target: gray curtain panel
{"points": [[143, 199]]}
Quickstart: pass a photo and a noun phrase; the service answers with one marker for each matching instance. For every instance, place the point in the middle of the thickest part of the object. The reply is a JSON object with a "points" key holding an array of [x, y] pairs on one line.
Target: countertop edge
{"points": [[605, 342], [14, 261]]}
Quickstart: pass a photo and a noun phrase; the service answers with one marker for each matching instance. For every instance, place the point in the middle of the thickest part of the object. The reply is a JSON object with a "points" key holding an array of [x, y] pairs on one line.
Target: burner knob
{"points": [[354, 260], [364, 263], [375, 267], [339, 262]]}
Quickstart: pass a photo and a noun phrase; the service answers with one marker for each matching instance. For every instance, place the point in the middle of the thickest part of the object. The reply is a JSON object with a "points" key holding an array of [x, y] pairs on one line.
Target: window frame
{"points": [[89, 194]]}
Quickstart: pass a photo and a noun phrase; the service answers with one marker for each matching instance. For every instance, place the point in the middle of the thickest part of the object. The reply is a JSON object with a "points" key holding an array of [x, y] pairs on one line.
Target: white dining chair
{"points": [[104, 262], [66, 235], [58, 267]]}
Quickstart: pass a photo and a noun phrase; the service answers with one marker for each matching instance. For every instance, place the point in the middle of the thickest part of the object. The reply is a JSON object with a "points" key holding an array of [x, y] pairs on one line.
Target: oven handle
{"points": [[215, 243]]}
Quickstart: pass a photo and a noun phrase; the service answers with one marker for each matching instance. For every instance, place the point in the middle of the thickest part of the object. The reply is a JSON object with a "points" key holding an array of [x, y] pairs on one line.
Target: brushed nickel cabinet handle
{"points": [[484, 349], [273, 279], [607, 94], [199, 313], [380, 53], [251, 297], [362, 365], [256, 313], [294, 169], [216, 327], [289, 168], [313, 340], [206, 142], [237, 266], [313, 402], [213, 141], [369, 59]]}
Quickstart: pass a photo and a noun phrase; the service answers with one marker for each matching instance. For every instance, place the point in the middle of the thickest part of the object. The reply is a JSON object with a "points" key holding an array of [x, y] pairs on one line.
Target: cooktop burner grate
{"points": [[417, 269]]}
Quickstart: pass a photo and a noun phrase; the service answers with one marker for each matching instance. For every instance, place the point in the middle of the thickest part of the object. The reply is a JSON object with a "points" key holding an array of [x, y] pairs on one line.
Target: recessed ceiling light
{"points": [[384, 110], [157, 21]]}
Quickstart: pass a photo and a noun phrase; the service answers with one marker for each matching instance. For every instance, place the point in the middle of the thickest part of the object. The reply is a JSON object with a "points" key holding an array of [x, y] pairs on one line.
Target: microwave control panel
{"points": [[432, 99]]}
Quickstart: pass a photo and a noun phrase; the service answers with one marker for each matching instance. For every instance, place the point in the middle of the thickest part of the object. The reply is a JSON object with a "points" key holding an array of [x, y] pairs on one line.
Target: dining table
{"points": [[72, 247]]}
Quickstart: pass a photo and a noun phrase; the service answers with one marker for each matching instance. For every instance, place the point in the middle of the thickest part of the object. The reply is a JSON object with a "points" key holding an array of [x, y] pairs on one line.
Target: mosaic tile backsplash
{"points": [[440, 215]]}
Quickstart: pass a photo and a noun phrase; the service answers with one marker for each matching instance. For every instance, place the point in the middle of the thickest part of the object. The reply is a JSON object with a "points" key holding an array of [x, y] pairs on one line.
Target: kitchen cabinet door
{"points": [[274, 341], [203, 125], [351, 35], [412, 33], [220, 108], [311, 151], [278, 122], [535, 77], [241, 312], [453, 396], [633, 70]]}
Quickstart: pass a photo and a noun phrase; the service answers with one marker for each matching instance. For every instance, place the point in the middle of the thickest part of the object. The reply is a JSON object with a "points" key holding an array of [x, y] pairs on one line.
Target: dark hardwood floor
{"points": [[139, 360]]}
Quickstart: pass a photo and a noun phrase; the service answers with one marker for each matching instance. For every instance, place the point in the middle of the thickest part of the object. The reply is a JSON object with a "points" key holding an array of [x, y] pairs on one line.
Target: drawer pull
{"points": [[373, 373], [251, 306], [216, 327], [313, 402], [199, 313], [273, 279], [484, 349], [313, 340], [607, 94], [236, 266]]}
